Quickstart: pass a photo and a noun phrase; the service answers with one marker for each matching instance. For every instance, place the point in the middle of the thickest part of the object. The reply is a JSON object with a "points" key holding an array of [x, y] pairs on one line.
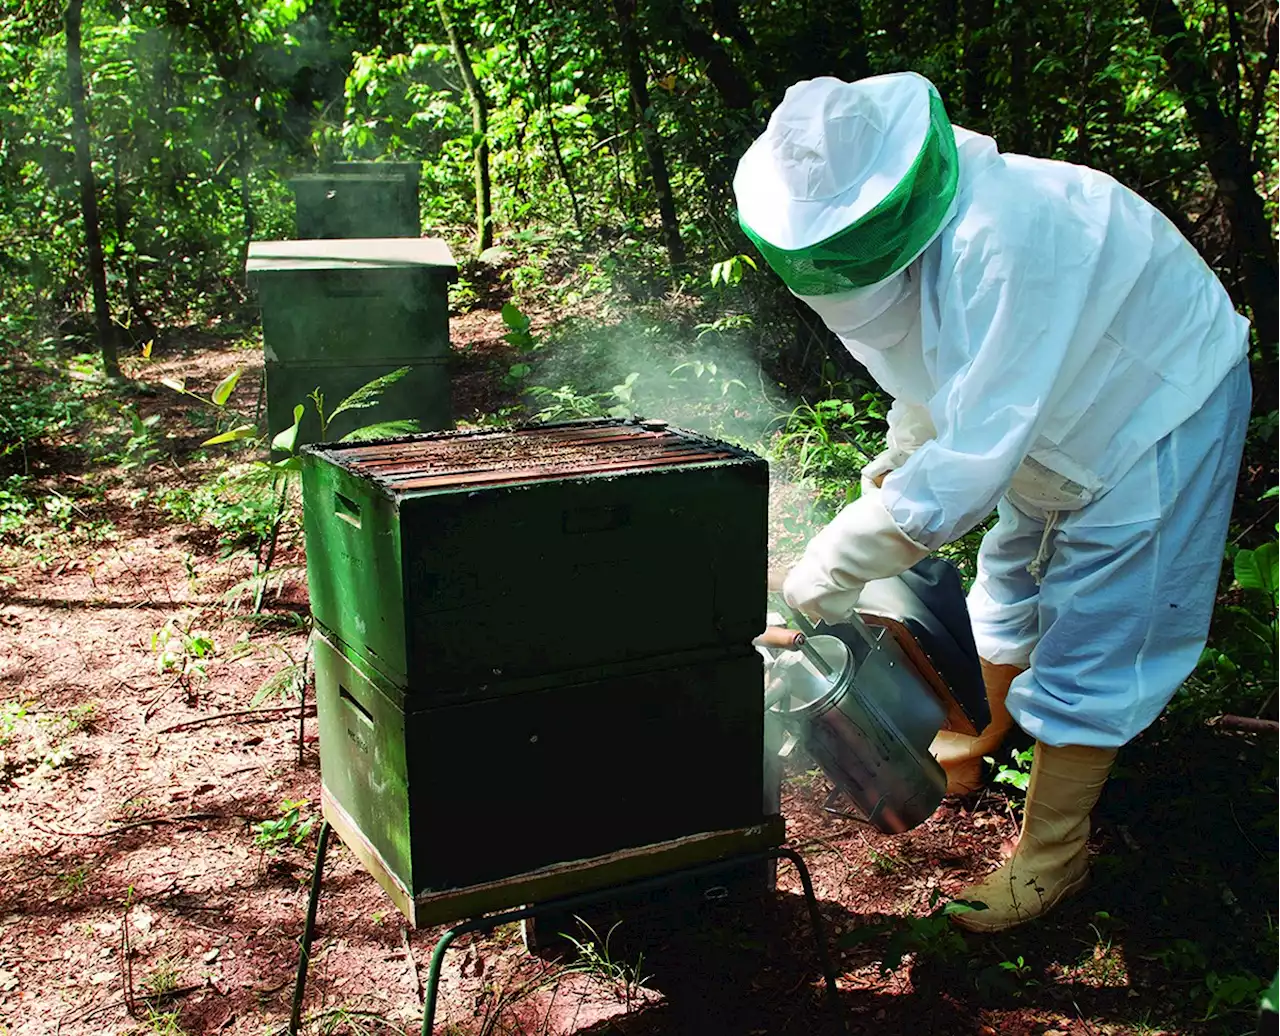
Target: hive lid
{"points": [[542, 453], [349, 253]]}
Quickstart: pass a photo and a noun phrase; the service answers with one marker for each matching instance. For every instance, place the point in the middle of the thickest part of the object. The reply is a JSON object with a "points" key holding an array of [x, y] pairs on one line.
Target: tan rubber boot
{"points": [[960, 755], [1051, 861]]}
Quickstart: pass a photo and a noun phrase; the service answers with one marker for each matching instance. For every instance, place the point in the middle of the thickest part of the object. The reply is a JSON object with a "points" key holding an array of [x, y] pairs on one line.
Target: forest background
{"points": [[579, 160]]}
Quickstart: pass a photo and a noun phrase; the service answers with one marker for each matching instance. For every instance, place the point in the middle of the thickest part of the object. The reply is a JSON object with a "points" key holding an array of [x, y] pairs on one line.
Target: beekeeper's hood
{"points": [[849, 182]]}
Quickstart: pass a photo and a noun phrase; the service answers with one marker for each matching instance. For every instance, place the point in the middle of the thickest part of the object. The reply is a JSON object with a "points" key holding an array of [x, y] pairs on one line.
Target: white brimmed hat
{"points": [[849, 182]]}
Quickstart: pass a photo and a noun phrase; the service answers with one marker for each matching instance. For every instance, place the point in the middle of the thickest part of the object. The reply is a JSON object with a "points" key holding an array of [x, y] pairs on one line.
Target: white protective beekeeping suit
{"points": [[1055, 349]]}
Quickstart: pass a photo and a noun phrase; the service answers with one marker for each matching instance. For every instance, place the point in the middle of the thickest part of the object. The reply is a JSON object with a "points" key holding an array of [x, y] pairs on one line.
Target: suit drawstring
{"points": [[1036, 568]]}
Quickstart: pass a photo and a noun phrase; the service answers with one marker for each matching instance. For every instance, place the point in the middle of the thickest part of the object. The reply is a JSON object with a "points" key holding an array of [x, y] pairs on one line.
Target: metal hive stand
{"points": [[564, 904]]}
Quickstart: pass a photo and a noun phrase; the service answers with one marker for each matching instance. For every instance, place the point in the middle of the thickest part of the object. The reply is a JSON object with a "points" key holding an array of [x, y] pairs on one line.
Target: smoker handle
{"points": [[780, 637]]}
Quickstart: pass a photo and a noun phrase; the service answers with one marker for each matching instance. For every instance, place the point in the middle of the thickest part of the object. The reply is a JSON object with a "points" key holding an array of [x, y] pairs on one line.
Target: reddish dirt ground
{"points": [[133, 898]]}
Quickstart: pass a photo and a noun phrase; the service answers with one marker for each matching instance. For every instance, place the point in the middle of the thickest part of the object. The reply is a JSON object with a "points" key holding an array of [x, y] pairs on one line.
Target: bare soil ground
{"points": [[134, 899]]}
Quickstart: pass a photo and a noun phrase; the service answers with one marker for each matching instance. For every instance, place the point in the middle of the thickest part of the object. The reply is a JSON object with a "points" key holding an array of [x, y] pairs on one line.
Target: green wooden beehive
{"points": [[338, 313], [534, 646], [458, 561], [358, 199]]}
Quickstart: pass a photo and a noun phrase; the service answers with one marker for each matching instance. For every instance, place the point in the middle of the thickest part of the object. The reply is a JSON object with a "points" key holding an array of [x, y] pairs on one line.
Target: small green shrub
{"points": [[291, 830]]}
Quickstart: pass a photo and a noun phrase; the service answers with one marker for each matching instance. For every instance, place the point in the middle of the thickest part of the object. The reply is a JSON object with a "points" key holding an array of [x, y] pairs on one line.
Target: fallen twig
{"points": [[260, 714], [86, 1014], [149, 822], [126, 966], [1243, 834], [1254, 724], [413, 966]]}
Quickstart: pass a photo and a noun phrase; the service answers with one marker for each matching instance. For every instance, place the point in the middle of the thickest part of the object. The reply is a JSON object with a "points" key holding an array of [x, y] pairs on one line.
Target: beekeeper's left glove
{"points": [[862, 543], [881, 466]]}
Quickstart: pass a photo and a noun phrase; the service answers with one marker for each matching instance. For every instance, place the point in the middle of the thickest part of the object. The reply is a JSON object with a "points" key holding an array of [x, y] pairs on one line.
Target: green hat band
{"points": [[888, 237]]}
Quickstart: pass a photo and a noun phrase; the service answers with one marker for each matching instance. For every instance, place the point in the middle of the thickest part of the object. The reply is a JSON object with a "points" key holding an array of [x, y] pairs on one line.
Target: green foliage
{"points": [[41, 405], [595, 957], [568, 404], [239, 503], [929, 938], [31, 740], [1270, 999], [15, 506], [366, 396], [710, 369], [163, 977], [289, 831], [184, 651], [1017, 772], [1013, 978], [830, 442], [730, 271], [287, 682], [1239, 669], [1241, 991], [11, 714]]}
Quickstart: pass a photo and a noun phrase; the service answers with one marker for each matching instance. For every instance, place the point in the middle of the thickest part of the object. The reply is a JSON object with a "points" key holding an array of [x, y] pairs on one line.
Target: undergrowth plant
{"points": [[929, 938], [184, 650], [258, 498], [290, 830], [1240, 668], [595, 957], [830, 442]]}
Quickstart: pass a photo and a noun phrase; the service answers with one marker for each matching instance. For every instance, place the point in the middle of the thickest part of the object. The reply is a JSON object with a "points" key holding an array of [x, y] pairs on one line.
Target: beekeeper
{"points": [[1055, 351]]}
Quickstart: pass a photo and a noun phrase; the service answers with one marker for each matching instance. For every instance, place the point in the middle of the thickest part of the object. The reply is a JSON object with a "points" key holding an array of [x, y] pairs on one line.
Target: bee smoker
{"points": [[866, 697]]}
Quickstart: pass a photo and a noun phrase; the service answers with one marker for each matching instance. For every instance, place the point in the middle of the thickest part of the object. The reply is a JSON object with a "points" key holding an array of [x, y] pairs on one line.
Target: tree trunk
{"points": [[732, 86], [246, 191], [1230, 163], [977, 49], [128, 256], [727, 19], [88, 192], [541, 80], [479, 125], [1023, 135], [638, 88]]}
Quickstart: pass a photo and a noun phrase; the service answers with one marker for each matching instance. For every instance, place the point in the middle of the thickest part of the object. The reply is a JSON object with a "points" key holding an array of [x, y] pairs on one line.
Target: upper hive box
{"points": [[470, 564]]}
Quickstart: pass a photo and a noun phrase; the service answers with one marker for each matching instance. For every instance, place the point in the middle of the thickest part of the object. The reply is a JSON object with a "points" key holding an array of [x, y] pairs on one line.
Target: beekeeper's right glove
{"points": [[861, 543]]}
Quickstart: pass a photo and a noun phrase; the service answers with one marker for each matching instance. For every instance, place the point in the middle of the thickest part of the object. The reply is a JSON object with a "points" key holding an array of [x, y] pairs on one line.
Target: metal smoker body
{"points": [[866, 712]]}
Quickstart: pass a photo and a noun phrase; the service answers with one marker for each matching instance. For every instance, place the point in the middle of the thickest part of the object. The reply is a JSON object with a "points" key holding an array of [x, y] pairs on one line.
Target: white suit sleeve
{"points": [[1015, 295]]}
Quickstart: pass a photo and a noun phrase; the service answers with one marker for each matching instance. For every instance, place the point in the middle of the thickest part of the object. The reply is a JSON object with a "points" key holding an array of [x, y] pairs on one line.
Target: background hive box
{"points": [[460, 795], [337, 314], [358, 199], [466, 583]]}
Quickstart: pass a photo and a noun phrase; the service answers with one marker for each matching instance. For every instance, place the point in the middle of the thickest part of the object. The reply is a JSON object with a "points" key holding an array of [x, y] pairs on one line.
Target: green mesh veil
{"points": [[888, 237]]}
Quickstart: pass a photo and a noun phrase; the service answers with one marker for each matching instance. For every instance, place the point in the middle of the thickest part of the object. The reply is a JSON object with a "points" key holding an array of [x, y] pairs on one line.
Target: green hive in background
{"points": [[359, 199], [338, 313]]}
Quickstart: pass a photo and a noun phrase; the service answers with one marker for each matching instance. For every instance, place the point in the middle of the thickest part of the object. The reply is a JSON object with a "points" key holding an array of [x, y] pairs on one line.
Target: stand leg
{"points": [[819, 931], [433, 978], [309, 931]]}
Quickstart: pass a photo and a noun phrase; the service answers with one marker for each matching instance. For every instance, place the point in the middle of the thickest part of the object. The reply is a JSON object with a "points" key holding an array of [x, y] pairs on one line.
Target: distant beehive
{"points": [[338, 313], [358, 199]]}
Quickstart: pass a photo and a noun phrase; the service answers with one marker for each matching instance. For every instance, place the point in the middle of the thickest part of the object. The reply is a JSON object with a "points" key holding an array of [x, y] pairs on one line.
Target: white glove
{"points": [[862, 543]]}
